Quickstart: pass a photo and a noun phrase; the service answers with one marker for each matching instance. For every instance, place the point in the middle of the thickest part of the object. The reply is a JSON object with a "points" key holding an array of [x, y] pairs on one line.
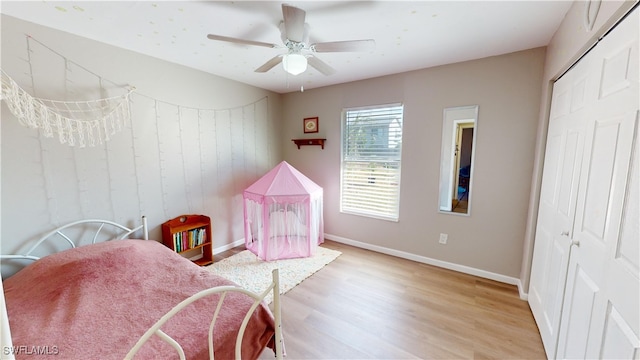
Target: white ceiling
{"points": [[409, 35]]}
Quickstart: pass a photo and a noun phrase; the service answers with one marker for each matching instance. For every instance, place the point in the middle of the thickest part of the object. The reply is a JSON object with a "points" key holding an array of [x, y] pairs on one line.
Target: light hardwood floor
{"points": [[367, 305]]}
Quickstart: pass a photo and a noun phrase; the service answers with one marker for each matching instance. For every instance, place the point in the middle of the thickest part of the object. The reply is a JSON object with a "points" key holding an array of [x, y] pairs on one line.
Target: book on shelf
{"points": [[189, 239]]}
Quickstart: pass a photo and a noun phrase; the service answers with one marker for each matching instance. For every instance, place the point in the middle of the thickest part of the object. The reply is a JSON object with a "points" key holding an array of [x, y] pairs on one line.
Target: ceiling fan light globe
{"points": [[294, 64]]}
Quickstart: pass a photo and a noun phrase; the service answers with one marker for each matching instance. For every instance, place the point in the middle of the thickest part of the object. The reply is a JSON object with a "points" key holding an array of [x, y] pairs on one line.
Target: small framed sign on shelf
{"points": [[310, 125]]}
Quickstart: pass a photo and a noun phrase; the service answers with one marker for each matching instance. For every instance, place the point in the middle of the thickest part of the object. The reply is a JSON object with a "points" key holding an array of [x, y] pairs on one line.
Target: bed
{"points": [[131, 299]]}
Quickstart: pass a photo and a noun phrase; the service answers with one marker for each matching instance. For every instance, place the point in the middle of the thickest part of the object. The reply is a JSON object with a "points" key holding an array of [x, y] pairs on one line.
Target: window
{"points": [[371, 152]]}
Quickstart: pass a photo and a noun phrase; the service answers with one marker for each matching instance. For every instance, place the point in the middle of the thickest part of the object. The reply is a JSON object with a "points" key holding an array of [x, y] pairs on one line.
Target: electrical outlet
{"points": [[443, 238]]}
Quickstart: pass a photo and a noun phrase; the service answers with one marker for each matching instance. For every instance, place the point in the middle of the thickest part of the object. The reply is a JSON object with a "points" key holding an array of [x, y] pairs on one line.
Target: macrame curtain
{"points": [[75, 122]]}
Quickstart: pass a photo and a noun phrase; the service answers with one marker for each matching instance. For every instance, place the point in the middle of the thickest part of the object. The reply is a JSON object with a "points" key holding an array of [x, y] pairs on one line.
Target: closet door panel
{"points": [[558, 256], [620, 340], [570, 170], [580, 303], [596, 206], [550, 256], [621, 325], [563, 159], [600, 316], [599, 214]]}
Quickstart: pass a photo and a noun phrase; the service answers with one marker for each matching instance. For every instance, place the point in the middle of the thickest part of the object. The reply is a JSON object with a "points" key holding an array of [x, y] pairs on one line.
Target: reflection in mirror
{"points": [[459, 130]]}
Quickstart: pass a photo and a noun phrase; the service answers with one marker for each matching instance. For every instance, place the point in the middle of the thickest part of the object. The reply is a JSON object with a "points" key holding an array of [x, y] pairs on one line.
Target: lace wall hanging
{"points": [[75, 122]]}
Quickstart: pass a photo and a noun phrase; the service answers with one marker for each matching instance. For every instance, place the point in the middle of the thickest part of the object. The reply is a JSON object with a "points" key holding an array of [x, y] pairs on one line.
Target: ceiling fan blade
{"points": [[293, 22], [269, 64], [340, 46], [320, 65], [241, 41]]}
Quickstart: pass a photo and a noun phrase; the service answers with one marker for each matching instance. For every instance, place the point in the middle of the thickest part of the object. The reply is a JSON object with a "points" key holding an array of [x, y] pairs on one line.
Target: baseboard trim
{"points": [[226, 247], [523, 295], [430, 261]]}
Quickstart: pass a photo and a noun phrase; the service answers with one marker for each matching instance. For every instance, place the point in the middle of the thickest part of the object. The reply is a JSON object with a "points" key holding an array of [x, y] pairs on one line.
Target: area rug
{"points": [[254, 274]]}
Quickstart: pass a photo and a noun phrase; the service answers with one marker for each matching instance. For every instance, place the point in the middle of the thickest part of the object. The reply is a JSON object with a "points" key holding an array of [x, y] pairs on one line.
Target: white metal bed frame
{"points": [[222, 290], [155, 329], [59, 231]]}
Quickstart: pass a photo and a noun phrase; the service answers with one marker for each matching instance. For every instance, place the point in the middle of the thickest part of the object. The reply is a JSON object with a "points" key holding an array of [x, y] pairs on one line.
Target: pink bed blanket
{"points": [[96, 301]]}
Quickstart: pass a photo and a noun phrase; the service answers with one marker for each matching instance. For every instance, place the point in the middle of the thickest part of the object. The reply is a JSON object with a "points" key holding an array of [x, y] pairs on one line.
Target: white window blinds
{"points": [[371, 152]]}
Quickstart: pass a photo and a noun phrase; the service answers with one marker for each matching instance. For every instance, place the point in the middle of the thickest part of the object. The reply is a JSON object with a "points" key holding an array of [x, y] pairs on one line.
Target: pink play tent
{"points": [[283, 215]]}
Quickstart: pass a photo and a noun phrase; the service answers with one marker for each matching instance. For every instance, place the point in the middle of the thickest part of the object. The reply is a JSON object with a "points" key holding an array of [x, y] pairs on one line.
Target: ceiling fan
{"points": [[295, 36]]}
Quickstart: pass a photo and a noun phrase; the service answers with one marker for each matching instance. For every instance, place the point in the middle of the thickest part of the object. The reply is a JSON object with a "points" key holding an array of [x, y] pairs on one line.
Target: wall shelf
{"points": [[301, 142]]}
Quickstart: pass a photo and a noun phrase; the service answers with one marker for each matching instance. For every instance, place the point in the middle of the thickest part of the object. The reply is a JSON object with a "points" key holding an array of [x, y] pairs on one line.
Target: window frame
{"points": [[393, 213]]}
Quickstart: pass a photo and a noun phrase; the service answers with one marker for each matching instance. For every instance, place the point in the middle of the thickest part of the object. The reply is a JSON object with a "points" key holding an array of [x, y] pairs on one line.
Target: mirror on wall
{"points": [[459, 128]]}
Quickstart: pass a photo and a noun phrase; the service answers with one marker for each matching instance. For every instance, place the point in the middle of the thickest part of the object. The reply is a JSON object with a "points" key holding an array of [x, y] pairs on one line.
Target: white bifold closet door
{"points": [[563, 160], [585, 282]]}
